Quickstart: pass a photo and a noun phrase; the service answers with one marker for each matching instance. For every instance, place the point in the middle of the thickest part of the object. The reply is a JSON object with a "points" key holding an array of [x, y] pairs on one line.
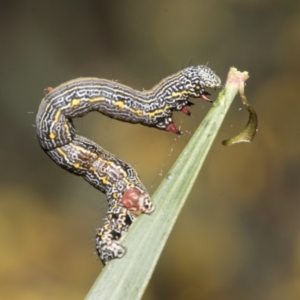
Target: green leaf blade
{"points": [[128, 277]]}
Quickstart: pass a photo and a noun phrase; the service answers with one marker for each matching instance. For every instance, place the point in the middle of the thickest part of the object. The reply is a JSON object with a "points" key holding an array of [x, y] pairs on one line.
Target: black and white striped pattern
{"points": [[127, 197]]}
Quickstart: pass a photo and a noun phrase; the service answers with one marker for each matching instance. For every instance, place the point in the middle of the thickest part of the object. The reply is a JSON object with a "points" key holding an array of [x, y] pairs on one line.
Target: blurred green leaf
{"points": [[128, 277]]}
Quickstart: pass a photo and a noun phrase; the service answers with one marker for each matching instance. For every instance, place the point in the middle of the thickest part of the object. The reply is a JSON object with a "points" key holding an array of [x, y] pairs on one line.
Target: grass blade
{"points": [[128, 277]]}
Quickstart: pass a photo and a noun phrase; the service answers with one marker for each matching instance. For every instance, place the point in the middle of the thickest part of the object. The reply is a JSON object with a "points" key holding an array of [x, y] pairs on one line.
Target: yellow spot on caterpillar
{"points": [[137, 112], [98, 99], [47, 107], [91, 169], [75, 102], [67, 128], [52, 136], [197, 87], [62, 153], [76, 165], [119, 104], [179, 94], [158, 112], [104, 180], [56, 117]]}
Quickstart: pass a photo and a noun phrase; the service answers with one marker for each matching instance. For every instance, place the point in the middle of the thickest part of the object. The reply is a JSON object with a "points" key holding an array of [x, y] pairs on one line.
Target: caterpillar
{"points": [[127, 197]]}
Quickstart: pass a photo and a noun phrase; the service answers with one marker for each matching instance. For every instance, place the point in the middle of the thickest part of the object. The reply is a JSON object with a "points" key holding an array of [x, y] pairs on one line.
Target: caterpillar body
{"points": [[127, 197]]}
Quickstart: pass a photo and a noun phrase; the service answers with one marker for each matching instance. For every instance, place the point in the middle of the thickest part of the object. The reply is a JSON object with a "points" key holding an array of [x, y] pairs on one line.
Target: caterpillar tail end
{"points": [[109, 249], [133, 203]]}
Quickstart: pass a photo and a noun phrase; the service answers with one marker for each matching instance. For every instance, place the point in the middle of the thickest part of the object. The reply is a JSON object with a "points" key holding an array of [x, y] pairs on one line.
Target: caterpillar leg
{"points": [[166, 123]]}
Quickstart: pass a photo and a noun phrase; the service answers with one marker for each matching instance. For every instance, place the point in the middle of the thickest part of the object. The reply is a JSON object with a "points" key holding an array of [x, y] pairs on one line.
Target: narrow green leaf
{"points": [[127, 278]]}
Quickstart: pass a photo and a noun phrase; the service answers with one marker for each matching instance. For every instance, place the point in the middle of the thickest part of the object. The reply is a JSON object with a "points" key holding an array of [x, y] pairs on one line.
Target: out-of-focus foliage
{"points": [[243, 240]]}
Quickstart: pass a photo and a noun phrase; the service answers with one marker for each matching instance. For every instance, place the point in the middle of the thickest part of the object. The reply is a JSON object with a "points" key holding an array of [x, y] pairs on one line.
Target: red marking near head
{"points": [[171, 127], [204, 96], [134, 200], [186, 111]]}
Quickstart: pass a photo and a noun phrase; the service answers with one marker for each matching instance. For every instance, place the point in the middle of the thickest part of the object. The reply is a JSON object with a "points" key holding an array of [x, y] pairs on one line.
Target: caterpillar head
{"points": [[197, 79], [208, 78]]}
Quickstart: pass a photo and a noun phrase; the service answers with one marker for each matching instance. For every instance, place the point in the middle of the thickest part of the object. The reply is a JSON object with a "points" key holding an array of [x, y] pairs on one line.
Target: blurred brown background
{"points": [[238, 236]]}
